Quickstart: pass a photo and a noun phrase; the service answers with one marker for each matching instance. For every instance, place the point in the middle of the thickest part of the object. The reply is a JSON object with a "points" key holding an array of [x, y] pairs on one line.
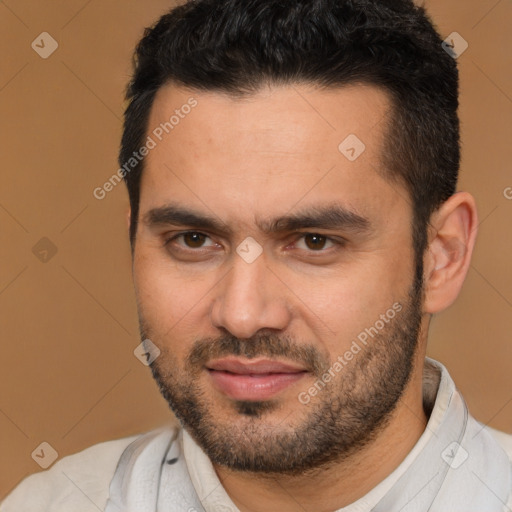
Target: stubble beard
{"points": [[346, 415]]}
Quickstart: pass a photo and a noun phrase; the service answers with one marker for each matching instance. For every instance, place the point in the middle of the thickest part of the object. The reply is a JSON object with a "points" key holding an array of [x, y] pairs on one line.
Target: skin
{"points": [[265, 156]]}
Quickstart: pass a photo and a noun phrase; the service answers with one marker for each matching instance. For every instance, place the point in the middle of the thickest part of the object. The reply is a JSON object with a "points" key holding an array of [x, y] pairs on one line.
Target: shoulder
{"points": [[78, 482], [504, 440]]}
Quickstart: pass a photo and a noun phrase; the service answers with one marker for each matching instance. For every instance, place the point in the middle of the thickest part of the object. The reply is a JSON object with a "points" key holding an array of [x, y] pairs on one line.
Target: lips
{"points": [[253, 380], [252, 367]]}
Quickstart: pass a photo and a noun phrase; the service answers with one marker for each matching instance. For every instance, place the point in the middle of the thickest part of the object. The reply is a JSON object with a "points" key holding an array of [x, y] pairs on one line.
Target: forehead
{"points": [[297, 117], [268, 151]]}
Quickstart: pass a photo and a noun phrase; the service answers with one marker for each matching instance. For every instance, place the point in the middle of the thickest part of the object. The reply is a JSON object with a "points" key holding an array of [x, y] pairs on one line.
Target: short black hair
{"points": [[238, 46]]}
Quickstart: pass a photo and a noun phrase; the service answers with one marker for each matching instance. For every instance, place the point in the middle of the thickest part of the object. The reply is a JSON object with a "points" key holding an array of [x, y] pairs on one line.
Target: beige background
{"points": [[69, 325]]}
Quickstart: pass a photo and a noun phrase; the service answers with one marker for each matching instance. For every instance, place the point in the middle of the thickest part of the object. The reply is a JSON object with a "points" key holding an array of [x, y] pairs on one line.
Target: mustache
{"points": [[269, 346]]}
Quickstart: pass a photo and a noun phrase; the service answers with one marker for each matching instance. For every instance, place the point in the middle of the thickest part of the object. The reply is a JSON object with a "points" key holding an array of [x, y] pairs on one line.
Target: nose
{"points": [[250, 298]]}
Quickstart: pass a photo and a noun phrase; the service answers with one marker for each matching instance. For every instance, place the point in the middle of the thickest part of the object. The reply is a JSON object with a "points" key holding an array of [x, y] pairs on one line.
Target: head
{"points": [[299, 208]]}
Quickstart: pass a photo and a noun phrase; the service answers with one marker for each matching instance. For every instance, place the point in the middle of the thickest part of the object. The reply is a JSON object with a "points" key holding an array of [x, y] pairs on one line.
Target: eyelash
{"points": [[334, 241]]}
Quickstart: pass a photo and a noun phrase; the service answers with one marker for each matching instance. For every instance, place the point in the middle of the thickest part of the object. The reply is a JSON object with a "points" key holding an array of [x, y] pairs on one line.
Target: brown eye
{"points": [[314, 241], [189, 240], [193, 240]]}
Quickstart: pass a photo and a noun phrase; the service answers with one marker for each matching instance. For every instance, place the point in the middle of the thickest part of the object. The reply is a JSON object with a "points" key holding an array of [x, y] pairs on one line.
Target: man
{"points": [[292, 170]]}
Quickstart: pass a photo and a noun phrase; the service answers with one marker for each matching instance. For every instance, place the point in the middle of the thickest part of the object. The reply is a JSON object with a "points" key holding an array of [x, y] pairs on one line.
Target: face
{"points": [[274, 270]]}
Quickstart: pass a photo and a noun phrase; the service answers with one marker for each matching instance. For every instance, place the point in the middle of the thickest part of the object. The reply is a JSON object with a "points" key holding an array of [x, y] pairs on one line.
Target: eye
{"points": [[191, 240], [316, 242]]}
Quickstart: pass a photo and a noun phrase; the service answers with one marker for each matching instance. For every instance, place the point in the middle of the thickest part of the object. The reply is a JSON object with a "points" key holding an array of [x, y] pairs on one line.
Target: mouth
{"points": [[252, 380]]}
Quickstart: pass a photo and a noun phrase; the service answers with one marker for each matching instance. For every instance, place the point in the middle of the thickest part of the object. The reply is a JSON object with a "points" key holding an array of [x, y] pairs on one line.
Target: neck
{"points": [[343, 482]]}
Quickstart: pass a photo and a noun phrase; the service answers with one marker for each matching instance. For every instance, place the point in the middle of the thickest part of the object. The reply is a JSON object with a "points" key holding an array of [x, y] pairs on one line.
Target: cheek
{"points": [[338, 308], [171, 303]]}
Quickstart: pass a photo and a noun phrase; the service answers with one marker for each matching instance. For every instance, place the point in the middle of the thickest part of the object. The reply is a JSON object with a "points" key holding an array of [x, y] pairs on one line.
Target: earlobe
{"points": [[452, 235]]}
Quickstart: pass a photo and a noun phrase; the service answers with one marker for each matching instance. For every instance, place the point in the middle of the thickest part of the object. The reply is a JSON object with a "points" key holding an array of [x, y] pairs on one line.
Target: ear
{"points": [[452, 235]]}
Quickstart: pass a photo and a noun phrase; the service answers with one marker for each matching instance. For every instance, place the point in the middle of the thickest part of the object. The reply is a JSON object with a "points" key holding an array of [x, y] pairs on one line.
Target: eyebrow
{"points": [[331, 216]]}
